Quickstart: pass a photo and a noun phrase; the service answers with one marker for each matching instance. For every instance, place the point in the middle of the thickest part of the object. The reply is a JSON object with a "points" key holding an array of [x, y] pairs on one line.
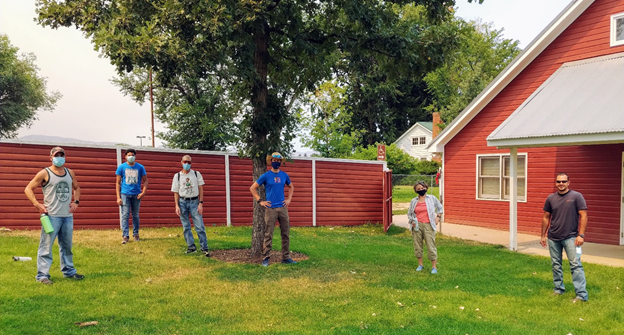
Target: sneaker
{"points": [[45, 281], [288, 261], [434, 271], [125, 240], [206, 252], [420, 268], [136, 238], [191, 249], [76, 277], [577, 299], [265, 262]]}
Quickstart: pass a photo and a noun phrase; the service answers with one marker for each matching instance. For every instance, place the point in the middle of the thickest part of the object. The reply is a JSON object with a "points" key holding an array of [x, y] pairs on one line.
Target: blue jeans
{"points": [[63, 229], [578, 274], [130, 203], [189, 207]]}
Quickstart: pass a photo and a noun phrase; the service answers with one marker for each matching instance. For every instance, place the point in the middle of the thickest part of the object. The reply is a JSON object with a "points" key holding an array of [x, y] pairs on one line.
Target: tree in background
{"points": [[323, 124], [386, 93], [22, 91], [271, 51], [197, 112], [399, 161], [482, 54]]}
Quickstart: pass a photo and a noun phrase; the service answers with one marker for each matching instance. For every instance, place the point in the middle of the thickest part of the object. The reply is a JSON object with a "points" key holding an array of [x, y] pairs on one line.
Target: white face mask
{"points": [[130, 159]]}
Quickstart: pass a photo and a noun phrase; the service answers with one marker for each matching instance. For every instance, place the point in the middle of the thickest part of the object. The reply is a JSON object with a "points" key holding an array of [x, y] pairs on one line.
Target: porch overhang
{"points": [[582, 103]]}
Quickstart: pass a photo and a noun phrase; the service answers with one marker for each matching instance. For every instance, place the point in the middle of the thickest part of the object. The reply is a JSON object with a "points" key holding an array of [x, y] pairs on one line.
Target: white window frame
{"points": [[501, 172], [614, 19], [417, 141]]}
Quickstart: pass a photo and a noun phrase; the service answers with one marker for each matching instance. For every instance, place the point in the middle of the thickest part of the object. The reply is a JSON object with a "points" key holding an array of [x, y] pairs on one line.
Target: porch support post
{"points": [[513, 199]]}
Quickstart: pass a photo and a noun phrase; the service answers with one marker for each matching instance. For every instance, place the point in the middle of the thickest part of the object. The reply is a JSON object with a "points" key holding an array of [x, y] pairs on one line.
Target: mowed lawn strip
{"points": [[404, 194], [357, 280]]}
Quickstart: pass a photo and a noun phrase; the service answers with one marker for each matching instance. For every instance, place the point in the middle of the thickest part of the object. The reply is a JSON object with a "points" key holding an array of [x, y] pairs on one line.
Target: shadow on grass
{"points": [[395, 230]]}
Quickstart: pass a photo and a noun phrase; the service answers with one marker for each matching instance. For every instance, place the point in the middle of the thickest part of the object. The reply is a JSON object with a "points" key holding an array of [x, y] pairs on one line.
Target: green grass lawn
{"points": [[357, 280], [401, 193]]}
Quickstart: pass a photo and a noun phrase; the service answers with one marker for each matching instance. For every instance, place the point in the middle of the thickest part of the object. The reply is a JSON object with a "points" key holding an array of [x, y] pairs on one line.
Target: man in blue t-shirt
{"points": [[276, 206], [130, 175]]}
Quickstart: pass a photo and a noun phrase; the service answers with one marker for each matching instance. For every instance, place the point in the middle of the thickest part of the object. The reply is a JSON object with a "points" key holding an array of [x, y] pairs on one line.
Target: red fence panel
{"points": [[347, 192]]}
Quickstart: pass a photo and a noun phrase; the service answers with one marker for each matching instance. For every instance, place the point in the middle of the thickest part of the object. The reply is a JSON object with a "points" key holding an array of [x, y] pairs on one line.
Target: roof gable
{"points": [[524, 59], [425, 126]]}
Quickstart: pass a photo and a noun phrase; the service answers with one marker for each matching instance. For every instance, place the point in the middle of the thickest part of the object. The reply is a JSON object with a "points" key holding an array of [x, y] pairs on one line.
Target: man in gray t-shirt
{"points": [[562, 212]]}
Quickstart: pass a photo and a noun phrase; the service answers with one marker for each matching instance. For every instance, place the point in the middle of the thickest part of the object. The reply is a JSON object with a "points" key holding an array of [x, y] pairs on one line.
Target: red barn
{"points": [[558, 107]]}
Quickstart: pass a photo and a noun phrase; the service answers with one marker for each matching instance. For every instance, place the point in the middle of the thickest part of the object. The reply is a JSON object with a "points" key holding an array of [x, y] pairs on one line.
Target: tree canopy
{"points": [[22, 90], [482, 53], [270, 52]]}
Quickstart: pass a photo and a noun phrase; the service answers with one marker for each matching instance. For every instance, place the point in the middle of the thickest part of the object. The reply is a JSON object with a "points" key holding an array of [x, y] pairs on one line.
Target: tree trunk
{"points": [[259, 99]]}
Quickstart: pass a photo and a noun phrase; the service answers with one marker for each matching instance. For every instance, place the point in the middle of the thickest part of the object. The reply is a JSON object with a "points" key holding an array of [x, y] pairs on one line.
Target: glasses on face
{"points": [[277, 156], [561, 181], [186, 162]]}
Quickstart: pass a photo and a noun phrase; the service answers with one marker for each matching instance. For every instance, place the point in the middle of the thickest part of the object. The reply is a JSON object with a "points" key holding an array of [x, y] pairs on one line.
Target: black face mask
{"points": [[421, 192]]}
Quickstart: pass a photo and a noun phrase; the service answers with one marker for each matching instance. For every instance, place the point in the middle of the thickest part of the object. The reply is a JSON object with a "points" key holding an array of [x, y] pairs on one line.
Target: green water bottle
{"points": [[46, 224]]}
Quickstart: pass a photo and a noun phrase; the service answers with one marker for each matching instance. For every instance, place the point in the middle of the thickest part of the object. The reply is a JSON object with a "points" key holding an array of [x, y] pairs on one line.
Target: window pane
{"points": [[490, 166], [423, 140], [619, 29], [415, 141], [521, 163], [489, 188], [521, 188]]}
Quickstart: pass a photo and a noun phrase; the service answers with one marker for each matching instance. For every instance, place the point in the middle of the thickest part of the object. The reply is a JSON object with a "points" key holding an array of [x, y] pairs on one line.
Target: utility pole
{"points": [[152, 107]]}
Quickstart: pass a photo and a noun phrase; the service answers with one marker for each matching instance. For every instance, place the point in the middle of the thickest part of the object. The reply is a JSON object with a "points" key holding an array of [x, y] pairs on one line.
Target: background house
{"points": [[558, 107], [416, 139]]}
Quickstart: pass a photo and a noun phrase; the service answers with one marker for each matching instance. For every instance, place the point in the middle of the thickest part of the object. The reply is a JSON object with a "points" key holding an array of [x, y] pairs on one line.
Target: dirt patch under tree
{"points": [[244, 256]]}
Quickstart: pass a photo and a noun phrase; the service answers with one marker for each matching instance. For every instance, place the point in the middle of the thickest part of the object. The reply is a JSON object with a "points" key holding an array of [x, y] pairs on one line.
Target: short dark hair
{"points": [[563, 174], [131, 150], [421, 183]]}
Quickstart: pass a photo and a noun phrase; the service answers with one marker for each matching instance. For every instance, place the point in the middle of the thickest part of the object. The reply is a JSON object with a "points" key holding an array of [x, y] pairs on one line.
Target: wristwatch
{"points": [[76, 202], [581, 235], [201, 201], [259, 200]]}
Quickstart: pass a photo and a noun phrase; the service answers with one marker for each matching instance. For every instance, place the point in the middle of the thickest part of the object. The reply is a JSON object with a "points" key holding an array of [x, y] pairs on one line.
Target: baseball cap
{"points": [[56, 150]]}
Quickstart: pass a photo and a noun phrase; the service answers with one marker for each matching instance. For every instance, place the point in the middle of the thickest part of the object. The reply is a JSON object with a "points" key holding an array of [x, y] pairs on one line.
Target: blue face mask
{"points": [[276, 165], [186, 166], [130, 159], [58, 161]]}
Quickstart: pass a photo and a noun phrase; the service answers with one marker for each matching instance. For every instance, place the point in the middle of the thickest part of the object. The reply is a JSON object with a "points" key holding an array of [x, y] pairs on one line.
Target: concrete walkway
{"points": [[612, 255]]}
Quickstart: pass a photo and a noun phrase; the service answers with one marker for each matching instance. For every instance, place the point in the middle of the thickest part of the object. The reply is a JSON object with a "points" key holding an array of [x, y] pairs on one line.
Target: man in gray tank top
{"points": [[57, 183], [562, 212]]}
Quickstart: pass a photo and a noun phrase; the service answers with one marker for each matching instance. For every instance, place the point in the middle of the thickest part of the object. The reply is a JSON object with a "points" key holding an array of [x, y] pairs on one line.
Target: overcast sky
{"points": [[93, 109]]}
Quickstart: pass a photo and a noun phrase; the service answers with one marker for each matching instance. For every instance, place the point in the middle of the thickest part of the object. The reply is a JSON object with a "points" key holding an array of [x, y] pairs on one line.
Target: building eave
{"points": [[534, 49]]}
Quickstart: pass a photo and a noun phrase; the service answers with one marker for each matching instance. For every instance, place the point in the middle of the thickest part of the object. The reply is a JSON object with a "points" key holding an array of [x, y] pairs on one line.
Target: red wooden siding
{"points": [[594, 170], [93, 167], [355, 198], [348, 193]]}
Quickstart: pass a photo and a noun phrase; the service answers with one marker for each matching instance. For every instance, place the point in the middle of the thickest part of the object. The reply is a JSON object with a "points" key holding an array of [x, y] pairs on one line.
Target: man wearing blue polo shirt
{"points": [[276, 206], [130, 175]]}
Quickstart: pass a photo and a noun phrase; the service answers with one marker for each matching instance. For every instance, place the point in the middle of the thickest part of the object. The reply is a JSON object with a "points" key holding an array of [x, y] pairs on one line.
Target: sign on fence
{"points": [[381, 152]]}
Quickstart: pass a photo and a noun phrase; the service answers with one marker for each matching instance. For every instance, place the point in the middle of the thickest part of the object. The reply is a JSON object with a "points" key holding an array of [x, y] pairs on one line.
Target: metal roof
{"points": [[582, 98]]}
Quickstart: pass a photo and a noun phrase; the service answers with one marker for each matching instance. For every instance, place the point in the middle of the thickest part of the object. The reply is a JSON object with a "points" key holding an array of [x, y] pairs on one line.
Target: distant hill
{"points": [[58, 139]]}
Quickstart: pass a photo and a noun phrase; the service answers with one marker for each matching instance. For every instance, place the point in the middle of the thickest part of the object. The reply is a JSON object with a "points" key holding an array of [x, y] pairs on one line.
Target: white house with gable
{"points": [[416, 139]]}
